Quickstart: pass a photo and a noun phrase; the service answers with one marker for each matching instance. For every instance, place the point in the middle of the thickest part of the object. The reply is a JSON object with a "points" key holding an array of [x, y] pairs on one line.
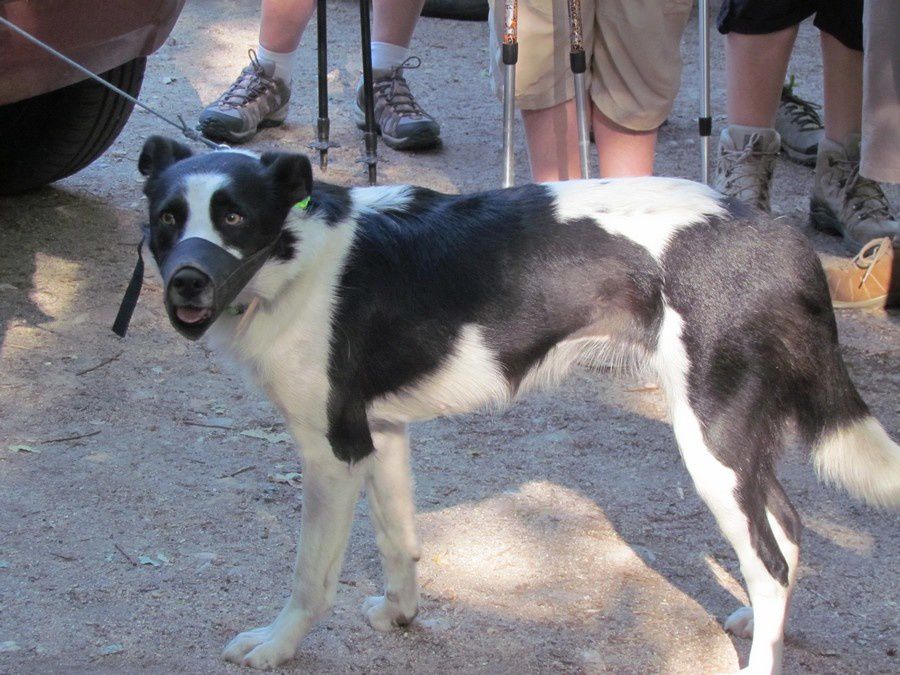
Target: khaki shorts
{"points": [[633, 51]]}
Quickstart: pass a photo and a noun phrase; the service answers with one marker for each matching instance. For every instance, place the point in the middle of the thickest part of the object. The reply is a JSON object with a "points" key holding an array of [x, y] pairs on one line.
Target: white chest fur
{"points": [[286, 343]]}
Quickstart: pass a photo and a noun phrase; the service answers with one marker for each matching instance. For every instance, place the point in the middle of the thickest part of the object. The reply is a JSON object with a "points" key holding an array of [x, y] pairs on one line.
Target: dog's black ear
{"points": [[160, 153], [291, 173]]}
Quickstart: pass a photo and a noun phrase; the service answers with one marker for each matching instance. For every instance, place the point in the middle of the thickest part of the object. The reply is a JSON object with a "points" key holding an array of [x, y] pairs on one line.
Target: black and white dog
{"points": [[376, 307]]}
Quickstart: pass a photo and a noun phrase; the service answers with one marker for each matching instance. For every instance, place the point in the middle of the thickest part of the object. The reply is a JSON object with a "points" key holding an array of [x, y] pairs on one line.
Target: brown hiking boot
{"points": [[864, 281], [399, 118], [252, 102]]}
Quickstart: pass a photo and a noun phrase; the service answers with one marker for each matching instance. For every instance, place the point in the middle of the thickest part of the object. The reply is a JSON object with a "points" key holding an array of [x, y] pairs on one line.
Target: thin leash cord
{"points": [[187, 131]]}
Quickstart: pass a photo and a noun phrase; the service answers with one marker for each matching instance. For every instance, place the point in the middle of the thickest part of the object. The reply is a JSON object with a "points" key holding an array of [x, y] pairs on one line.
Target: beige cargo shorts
{"points": [[632, 48]]}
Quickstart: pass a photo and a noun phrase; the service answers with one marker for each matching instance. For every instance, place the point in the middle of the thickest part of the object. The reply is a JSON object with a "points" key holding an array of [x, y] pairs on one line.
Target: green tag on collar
{"points": [[302, 205]]}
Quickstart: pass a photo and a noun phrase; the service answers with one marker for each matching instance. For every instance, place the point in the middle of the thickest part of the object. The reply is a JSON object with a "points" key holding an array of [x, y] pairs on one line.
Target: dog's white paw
{"points": [[740, 623], [260, 648], [385, 615]]}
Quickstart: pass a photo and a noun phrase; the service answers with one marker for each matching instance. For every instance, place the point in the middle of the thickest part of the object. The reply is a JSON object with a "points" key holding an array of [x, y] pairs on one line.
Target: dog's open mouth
{"points": [[193, 315]]}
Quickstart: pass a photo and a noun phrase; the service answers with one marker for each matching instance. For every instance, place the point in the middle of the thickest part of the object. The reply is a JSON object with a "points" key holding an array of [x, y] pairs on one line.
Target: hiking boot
{"points": [[399, 119], [745, 165], [800, 127], [864, 281], [846, 203], [254, 101]]}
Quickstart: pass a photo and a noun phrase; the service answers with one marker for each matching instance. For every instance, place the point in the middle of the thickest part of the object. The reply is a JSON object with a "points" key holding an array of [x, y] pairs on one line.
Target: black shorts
{"points": [[842, 19]]}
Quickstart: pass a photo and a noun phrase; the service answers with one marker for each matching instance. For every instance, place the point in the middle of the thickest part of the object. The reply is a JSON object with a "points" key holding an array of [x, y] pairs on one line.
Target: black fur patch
{"points": [[331, 200], [500, 260], [286, 246], [762, 341]]}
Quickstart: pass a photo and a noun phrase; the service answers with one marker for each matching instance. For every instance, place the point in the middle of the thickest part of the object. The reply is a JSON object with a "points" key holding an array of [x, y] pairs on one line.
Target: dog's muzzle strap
{"points": [[129, 300]]}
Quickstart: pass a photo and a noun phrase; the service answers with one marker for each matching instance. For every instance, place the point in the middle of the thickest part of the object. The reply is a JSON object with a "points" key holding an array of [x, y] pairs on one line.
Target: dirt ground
{"points": [[142, 527]]}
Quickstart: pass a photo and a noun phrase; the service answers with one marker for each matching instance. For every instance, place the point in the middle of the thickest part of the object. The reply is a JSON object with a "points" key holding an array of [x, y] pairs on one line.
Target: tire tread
{"points": [[51, 136]]}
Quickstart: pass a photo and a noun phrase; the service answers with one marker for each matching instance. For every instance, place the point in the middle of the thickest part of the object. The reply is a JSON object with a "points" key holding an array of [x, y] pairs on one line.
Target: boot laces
{"points": [[802, 113], [250, 84], [863, 197], [869, 255], [395, 90], [742, 174]]}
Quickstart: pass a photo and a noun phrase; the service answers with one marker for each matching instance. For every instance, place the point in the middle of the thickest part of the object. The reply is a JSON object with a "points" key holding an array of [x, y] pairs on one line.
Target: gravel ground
{"points": [[144, 529]]}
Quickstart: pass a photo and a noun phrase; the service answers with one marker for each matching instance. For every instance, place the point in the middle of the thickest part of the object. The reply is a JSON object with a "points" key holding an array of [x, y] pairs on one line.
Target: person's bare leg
{"points": [[552, 137], [393, 21], [283, 23], [755, 68], [622, 152], [843, 73]]}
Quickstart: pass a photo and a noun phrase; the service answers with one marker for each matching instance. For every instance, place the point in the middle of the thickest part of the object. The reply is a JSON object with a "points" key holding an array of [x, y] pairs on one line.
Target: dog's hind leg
{"points": [[784, 524], [331, 489], [746, 500], [389, 491], [757, 530]]}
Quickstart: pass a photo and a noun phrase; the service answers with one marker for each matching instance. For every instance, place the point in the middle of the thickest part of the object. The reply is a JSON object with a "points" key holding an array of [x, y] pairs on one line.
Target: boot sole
{"points": [[424, 140], [823, 218], [215, 131], [860, 304]]}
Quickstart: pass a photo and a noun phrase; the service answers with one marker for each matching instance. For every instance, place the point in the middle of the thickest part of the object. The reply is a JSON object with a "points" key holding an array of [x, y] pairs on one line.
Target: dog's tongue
{"points": [[191, 314]]}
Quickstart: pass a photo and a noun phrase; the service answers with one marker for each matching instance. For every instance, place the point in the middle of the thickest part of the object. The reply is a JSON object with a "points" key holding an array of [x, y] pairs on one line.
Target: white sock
{"points": [[275, 64], [386, 56], [741, 134]]}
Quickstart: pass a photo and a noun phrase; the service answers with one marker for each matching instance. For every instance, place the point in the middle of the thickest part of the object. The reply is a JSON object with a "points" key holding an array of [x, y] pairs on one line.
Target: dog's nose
{"points": [[189, 282]]}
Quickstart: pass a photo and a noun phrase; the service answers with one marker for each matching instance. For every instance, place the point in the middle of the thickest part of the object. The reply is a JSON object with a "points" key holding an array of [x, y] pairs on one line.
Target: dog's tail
{"points": [[850, 448], [860, 456]]}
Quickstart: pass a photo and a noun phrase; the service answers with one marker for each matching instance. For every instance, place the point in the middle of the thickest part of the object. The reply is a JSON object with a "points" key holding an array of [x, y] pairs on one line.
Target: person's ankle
{"points": [[277, 65], [741, 134], [848, 144], [387, 56]]}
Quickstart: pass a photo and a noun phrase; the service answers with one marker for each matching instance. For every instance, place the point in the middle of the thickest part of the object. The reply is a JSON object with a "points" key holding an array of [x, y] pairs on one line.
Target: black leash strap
{"points": [[129, 300]]}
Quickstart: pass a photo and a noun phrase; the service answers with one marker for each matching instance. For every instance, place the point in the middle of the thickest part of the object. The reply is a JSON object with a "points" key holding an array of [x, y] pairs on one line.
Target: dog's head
{"points": [[214, 221]]}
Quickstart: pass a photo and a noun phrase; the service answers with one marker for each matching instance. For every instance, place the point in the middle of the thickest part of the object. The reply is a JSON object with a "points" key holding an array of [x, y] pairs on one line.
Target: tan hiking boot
{"points": [[864, 281], [399, 119], [846, 203], [746, 163], [254, 101]]}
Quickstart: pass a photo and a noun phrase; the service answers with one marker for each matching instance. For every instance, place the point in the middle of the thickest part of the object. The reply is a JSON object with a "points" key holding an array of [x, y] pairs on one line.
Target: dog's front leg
{"points": [[389, 491], [330, 491]]}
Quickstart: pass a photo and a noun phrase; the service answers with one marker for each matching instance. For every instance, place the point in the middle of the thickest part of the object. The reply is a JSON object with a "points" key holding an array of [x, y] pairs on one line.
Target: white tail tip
{"points": [[862, 458]]}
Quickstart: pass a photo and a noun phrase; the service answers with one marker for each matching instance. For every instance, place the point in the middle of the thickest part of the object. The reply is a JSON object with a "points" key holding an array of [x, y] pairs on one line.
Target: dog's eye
{"points": [[233, 218], [167, 218]]}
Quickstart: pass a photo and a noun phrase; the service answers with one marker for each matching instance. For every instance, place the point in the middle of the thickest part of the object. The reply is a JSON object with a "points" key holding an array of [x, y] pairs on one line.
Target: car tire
{"points": [[51, 136], [461, 10]]}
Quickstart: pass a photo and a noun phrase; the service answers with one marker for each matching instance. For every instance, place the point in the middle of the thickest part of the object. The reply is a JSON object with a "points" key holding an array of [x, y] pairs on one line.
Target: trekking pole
{"points": [[704, 122], [510, 57], [371, 138], [323, 124], [578, 62]]}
